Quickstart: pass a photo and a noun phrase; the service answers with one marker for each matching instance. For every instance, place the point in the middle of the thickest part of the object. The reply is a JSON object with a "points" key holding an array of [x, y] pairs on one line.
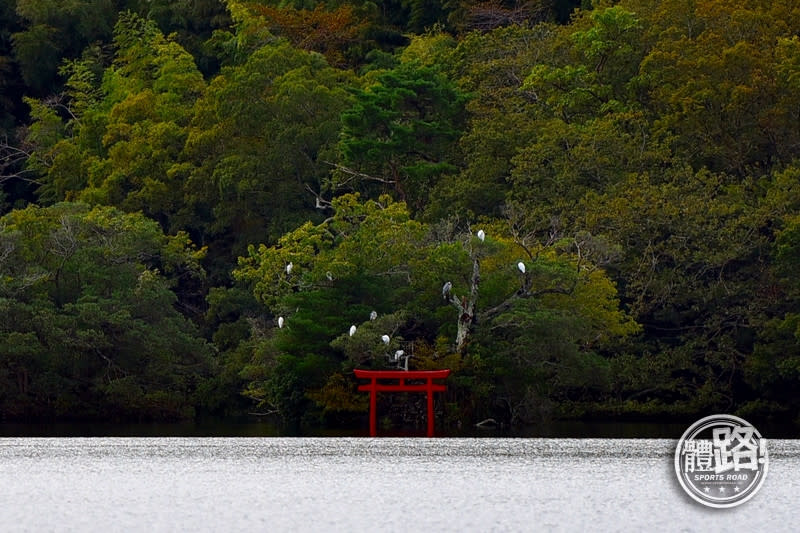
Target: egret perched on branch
{"points": [[329, 275], [373, 315], [352, 330], [280, 322], [521, 267], [481, 235], [385, 339], [446, 289], [400, 354], [289, 268]]}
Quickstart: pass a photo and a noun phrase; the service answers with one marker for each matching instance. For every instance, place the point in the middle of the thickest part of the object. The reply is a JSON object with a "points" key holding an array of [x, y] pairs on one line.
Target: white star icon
{"points": [[722, 489], [708, 489], [736, 489]]}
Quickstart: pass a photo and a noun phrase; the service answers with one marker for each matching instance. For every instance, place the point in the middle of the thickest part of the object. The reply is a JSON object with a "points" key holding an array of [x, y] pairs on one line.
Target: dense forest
{"points": [[218, 207]]}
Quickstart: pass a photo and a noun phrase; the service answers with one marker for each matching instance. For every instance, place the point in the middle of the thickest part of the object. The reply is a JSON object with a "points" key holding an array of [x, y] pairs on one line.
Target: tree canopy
{"points": [[91, 324], [221, 207]]}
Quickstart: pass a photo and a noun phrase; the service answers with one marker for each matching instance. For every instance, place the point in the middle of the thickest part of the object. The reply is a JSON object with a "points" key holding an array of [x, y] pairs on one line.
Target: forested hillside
{"points": [[218, 207]]}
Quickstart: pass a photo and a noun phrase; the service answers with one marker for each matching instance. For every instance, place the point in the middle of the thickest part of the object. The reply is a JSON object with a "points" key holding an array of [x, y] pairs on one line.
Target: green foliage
{"points": [[400, 133], [54, 30], [716, 88], [635, 146], [123, 136], [257, 144], [372, 255], [488, 66], [774, 367], [90, 327]]}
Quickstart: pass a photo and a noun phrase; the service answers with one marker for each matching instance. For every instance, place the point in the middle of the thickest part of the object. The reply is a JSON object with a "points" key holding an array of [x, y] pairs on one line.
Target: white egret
{"points": [[373, 315], [481, 235], [329, 275], [352, 330], [398, 354], [521, 267], [289, 268], [446, 289], [385, 339], [280, 322]]}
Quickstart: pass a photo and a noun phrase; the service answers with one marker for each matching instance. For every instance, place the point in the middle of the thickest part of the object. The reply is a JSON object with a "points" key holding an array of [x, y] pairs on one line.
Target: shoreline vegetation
{"points": [[588, 210], [247, 428]]}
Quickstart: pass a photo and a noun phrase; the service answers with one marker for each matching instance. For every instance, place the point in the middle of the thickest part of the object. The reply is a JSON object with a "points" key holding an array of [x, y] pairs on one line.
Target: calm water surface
{"points": [[363, 484]]}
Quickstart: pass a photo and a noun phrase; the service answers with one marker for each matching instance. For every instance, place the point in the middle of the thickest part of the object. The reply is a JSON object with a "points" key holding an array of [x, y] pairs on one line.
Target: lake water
{"points": [[364, 484]]}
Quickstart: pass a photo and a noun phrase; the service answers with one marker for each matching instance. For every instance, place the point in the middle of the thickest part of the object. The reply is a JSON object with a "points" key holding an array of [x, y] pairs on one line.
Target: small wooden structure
{"points": [[397, 381]]}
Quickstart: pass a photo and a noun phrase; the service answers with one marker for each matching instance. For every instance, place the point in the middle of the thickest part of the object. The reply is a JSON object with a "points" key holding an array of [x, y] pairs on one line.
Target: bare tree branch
{"points": [[319, 201], [356, 174], [491, 14], [466, 305], [12, 159], [56, 101]]}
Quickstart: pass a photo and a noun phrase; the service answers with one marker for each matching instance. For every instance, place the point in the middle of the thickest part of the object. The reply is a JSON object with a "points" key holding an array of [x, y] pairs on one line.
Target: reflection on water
{"points": [[363, 484]]}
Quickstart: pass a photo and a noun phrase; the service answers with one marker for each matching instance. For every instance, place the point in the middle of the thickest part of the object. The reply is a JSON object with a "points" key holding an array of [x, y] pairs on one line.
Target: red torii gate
{"points": [[398, 378]]}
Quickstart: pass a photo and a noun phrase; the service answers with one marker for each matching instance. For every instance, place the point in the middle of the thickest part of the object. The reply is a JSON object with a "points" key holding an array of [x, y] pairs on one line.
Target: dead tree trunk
{"points": [[466, 307]]}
